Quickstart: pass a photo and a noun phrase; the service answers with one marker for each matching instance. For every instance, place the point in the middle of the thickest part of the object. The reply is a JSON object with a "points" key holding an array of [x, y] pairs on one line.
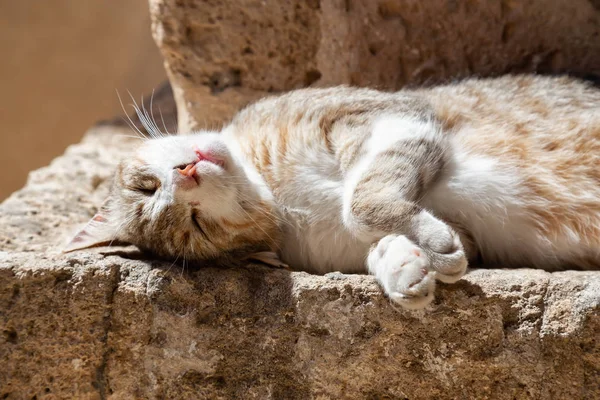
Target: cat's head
{"points": [[184, 197]]}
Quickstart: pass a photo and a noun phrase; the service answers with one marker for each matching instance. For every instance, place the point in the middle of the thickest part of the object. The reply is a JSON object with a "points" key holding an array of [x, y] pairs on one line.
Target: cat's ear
{"points": [[99, 231], [269, 258]]}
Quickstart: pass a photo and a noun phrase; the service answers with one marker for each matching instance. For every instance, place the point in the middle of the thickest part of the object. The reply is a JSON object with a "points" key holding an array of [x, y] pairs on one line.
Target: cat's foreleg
{"points": [[412, 247]]}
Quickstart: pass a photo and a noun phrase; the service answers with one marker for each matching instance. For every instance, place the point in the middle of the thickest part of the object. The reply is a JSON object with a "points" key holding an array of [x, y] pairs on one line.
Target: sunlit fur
{"points": [[155, 213], [405, 185]]}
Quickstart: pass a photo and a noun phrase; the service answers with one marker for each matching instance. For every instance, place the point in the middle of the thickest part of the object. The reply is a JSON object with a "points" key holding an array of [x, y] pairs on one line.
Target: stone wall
{"points": [[220, 55]]}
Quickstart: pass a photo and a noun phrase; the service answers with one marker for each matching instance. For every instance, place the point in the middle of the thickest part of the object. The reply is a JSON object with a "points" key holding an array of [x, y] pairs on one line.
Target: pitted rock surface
{"points": [[220, 55], [111, 323]]}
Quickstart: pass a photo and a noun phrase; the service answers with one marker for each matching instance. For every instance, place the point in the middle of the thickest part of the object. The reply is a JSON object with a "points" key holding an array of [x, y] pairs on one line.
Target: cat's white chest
{"points": [[321, 245], [315, 238]]}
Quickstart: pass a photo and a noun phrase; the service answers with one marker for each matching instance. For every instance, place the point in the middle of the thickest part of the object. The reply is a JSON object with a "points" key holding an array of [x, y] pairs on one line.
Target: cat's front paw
{"points": [[403, 270]]}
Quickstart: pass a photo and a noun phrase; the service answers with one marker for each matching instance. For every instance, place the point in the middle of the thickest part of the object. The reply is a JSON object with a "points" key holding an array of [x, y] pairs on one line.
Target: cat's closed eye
{"points": [[198, 226], [147, 186]]}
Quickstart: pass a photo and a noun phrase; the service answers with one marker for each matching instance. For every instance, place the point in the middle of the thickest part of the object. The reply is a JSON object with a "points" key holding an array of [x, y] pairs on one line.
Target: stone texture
{"points": [[221, 54], [110, 323]]}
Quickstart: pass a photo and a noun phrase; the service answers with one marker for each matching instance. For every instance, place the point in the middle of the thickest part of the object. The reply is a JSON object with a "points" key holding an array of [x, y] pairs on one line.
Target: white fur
{"points": [[218, 194], [485, 196], [319, 237], [253, 176], [315, 237]]}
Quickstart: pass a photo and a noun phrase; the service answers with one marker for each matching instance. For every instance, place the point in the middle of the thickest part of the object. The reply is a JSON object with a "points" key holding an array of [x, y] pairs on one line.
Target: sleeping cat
{"points": [[407, 185]]}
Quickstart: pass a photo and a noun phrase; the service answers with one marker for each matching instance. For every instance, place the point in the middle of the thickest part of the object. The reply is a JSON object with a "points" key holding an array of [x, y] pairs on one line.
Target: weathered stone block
{"points": [[220, 55]]}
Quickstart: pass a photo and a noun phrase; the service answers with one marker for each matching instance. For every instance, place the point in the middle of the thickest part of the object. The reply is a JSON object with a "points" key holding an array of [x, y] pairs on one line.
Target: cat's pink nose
{"points": [[189, 170]]}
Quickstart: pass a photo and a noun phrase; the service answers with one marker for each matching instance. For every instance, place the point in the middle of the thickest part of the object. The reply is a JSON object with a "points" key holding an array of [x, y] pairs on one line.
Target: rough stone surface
{"points": [[110, 323], [221, 54]]}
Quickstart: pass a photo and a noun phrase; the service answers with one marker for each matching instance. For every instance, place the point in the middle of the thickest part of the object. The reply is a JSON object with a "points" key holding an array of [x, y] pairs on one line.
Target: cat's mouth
{"points": [[187, 170], [188, 177], [191, 172]]}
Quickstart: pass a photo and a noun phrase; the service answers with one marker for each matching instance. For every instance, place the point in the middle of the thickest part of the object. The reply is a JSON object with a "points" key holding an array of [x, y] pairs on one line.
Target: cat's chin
{"points": [[186, 180]]}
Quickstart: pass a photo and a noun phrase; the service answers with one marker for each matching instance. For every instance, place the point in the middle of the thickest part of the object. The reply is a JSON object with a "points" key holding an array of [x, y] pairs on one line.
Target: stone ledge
{"points": [[110, 324]]}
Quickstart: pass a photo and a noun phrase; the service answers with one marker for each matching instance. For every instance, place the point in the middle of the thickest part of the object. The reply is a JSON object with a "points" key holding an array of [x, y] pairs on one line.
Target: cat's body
{"points": [[346, 179]]}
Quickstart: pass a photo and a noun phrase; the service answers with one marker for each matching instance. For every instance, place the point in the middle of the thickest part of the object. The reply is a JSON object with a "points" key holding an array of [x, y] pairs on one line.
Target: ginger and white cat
{"points": [[407, 185]]}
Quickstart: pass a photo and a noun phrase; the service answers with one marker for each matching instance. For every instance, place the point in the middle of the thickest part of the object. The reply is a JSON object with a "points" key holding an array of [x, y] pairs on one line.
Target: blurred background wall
{"points": [[61, 62]]}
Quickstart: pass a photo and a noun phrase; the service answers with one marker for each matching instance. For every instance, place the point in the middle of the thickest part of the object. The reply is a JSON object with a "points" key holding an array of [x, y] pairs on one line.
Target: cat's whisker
{"points": [[152, 111], [145, 118], [173, 263], [150, 117], [192, 247], [179, 254], [147, 121], [183, 269], [128, 120], [163, 123]]}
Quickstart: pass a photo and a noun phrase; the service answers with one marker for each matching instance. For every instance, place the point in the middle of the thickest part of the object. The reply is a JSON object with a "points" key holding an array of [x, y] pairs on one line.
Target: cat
{"points": [[409, 186]]}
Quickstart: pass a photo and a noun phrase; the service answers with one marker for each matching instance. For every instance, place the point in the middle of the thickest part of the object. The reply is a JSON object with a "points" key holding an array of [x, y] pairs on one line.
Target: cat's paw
{"points": [[450, 266], [443, 247], [403, 270]]}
